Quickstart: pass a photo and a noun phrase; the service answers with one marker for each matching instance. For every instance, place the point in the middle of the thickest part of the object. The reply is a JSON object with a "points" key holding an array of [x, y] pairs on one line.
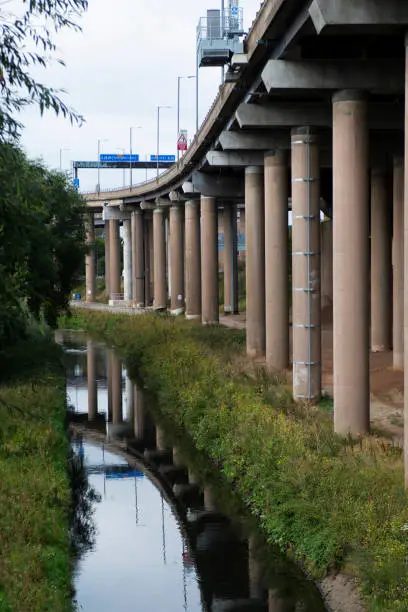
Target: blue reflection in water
{"points": [[138, 559]]}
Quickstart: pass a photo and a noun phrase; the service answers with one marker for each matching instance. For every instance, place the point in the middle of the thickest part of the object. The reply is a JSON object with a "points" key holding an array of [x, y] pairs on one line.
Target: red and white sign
{"points": [[182, 141]]}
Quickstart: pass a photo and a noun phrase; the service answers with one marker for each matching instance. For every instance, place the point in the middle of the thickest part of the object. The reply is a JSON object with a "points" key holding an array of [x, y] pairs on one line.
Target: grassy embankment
{"points": [[35, 497], [331, 504]]}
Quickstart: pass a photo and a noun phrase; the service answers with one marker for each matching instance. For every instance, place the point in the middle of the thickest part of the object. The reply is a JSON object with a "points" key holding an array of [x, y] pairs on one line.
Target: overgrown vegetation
{"points": [[42, 243], [35, 497], [331, 504]]}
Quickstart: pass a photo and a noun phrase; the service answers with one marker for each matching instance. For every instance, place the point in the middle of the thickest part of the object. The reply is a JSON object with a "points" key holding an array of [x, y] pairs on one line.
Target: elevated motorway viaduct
{"points": [[314, 118]]}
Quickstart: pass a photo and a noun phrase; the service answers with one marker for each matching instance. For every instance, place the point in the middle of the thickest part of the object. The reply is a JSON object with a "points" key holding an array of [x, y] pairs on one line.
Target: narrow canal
{"points": [[156, 539]]}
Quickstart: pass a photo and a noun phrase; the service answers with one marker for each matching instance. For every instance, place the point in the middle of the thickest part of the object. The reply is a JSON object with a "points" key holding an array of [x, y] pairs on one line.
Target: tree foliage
{"points": [[42, 242], [26, 42]]}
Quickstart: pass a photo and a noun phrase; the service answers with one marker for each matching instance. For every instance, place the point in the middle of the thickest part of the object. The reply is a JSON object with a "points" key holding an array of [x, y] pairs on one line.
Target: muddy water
{"points": [[159, 541]]}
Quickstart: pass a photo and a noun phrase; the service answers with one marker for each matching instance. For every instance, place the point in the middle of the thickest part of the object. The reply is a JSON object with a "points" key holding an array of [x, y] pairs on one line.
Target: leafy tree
{"points": [[42, 242], [26, 41]]}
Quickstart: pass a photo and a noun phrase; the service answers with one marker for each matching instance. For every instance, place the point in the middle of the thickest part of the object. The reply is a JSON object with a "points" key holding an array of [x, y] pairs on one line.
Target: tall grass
{"points": [[330, 503], [35, 568]]}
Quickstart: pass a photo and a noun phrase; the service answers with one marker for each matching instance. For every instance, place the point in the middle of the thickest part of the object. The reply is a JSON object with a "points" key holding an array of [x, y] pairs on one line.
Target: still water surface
{"points": [[146, 555]]}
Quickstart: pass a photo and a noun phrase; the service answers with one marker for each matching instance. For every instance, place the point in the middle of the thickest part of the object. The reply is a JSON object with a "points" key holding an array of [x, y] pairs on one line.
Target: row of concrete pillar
{"points": [[189, 267], [193, 256], [266, 234]]}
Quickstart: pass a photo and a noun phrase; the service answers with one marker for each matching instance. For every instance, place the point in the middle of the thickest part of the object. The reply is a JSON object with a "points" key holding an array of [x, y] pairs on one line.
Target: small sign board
{"points": [[125, 157], [124, 475], [182, 141], [76, 183], [163, 158]]}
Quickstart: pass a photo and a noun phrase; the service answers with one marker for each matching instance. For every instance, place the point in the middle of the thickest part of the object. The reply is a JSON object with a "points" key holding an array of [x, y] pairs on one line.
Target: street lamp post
{"points": [[99, 161], [191, 76], [122, 150], [133, 127], [158, 137]]}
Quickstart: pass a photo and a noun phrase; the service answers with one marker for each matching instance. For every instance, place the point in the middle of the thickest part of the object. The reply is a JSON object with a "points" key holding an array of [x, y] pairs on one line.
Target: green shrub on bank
{"points": [[35, 567], [329, 503]]}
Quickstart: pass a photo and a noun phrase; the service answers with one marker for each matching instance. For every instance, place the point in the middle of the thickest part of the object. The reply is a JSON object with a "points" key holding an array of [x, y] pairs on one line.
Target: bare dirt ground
{"points": [[386, 384]]}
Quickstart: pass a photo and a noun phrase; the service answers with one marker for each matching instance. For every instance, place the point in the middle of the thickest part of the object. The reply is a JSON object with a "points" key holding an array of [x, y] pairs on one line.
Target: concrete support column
{"points": [[350, 264], [117, 412], [177, 260], [193, 259], [255, 260], [276, 261], [230, 259], [114, 239], [209, 259], [127, 260], [398, 265], [159, 240], [168, 255], [92, 385], [138, 261], [241, 230], [151, 260], [326, 262], [306, 303], [90, 265], [130, 402], [381, 265], [405, 213], [107, 259]]}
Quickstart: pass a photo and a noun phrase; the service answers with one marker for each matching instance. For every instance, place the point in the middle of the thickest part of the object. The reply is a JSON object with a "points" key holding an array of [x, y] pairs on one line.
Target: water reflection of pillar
{"points": [[254, 570], [277, 604], [109, 371], [139, 411], [160, 439], [92, 385], [177, 457], [130, 403], [117, 416], [209, 500]]}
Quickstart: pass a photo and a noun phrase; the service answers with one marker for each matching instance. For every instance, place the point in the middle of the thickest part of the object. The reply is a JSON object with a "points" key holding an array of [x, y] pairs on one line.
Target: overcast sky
{"points": [[123, 64]]}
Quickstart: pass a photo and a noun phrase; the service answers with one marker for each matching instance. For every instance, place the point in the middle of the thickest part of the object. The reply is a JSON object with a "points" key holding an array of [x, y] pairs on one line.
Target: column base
{"points": [[193, 317], [159, 307], [398, 361], [227, 310], [177, 312], [211, 322], [380, 348]]}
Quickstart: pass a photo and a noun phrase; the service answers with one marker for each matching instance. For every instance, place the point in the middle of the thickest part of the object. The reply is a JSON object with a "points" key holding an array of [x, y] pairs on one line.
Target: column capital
{"points": [[378, 171], [279, 157], [304, 130], [349, 95], [159, 210], [254, 170]]}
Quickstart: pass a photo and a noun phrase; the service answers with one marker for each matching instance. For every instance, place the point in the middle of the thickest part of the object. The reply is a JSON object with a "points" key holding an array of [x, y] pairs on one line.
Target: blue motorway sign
{"points": [[163, 158], [76, 183], [125, 158], [122, 475]]}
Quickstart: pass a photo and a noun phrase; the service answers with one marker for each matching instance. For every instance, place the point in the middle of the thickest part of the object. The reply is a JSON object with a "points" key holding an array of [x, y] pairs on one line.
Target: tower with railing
{"points": [[219, 35]]}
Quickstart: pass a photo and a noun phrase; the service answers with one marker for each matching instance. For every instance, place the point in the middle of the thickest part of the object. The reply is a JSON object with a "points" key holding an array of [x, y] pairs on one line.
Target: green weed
{"points": [[330, 503]]}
